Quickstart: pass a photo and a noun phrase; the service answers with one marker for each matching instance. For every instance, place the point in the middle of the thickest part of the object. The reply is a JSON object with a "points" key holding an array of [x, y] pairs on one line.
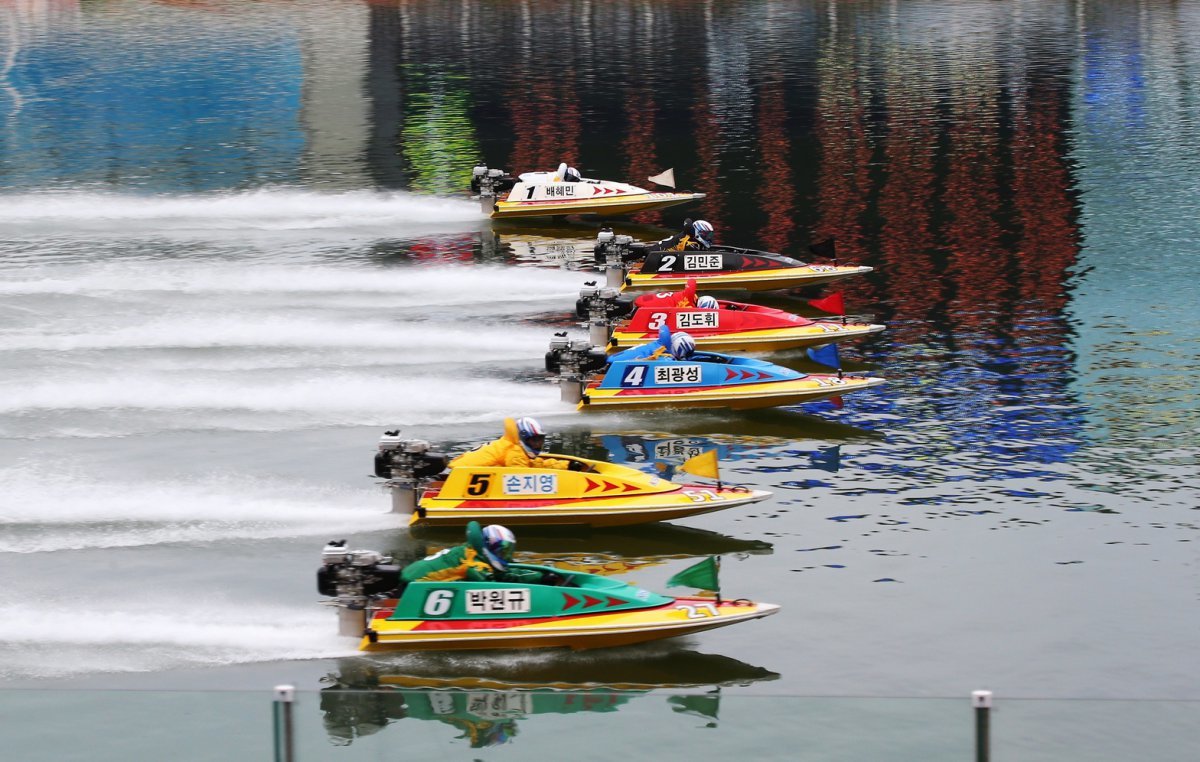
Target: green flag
{"points": [[702, 575]]}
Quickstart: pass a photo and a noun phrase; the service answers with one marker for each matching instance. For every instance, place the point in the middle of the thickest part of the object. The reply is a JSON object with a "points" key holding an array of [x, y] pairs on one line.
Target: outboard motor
{"points": [[613, 253], [488, 183], [406, 464], [353, 578], [601, 307], [572, 360]]}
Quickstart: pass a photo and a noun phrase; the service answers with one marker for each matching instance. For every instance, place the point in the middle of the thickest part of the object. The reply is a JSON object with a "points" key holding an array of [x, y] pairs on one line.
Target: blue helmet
{"points": [[703, 232], [532, 435], [707, 303], [498, 544], [682, 346]]}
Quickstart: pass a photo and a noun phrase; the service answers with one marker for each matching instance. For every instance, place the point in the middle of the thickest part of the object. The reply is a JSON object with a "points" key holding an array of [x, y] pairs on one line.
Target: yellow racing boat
{"points": [[599, 494]]}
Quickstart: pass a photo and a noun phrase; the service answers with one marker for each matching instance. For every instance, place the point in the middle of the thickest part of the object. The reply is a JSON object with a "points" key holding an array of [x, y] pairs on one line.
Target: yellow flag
{"points": [[704, 464]]}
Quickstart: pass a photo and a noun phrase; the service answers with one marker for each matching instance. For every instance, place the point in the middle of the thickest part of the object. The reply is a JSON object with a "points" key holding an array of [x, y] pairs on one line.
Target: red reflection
{"points": [[638, 146], [1049, 243], [977, 267], [843, 178], [776, 184], [546, 121]]}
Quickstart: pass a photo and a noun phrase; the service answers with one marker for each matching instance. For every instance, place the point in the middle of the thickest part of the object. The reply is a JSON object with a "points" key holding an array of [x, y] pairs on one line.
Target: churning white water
{"points": [[139, 338]]}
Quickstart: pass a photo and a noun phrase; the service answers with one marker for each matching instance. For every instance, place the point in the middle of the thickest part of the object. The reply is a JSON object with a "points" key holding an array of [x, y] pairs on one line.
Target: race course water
{"points": [[244, 250]]}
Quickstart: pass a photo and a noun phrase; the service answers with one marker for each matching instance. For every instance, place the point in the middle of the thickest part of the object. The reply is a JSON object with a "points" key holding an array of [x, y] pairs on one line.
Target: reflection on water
{"points": [[488, 706]]}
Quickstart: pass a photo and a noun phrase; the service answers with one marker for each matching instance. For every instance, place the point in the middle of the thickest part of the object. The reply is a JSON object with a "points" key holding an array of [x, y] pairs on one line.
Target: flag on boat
{"points": [[664, 178], [702, 575], [826, 355], [704, 464], [832, 303]]}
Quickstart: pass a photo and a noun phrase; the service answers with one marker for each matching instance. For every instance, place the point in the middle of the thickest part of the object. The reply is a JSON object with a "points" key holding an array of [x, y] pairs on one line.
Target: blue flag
{"points": [[826, 355]]}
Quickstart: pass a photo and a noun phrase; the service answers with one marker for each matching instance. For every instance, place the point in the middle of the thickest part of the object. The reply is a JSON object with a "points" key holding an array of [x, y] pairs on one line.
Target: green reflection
{"points": [[438, 139]]}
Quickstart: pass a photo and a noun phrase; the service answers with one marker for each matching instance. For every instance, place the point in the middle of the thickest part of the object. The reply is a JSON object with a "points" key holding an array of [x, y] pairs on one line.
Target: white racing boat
{"points": [[564, 192]]}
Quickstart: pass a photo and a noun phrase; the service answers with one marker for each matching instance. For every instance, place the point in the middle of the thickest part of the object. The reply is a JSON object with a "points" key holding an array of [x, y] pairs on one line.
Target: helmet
{"points": [[572, 175], [498, 544], [707, 303], [682, 346], [703, 232], [532, 435]]}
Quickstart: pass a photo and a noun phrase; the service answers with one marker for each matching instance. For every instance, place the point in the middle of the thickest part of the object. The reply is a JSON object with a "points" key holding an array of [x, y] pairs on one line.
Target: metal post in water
{"points": [[285, 741], [982, 701]]}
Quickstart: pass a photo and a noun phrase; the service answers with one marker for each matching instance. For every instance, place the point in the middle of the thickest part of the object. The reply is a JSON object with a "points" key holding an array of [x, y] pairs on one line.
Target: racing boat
{"points": [[646, 267], [599, 494], [728, 326], [563, 192], [706, 379], [563, 609]]}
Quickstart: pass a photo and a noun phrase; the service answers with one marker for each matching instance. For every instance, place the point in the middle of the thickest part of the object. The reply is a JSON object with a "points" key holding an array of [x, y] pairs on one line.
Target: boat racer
{"points": [[484, 557], [677, 346], [684, 298], [695, 236], [520, 447]]}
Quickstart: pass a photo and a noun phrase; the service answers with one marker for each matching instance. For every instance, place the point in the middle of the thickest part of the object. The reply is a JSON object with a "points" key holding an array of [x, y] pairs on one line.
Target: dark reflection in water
{"points": [[501, 693]]}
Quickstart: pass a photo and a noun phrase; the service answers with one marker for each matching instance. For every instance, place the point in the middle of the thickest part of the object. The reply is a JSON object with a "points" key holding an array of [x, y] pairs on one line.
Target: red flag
{"points": [[832, 303]]}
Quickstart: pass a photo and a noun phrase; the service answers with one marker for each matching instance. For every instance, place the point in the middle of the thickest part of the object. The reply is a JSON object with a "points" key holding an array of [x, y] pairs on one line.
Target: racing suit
{"points": [[461, 562], [506, 451]]}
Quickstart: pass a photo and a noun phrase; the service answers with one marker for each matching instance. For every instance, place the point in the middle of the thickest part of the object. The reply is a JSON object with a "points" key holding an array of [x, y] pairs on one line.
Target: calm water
{"points": [[235, 246]]}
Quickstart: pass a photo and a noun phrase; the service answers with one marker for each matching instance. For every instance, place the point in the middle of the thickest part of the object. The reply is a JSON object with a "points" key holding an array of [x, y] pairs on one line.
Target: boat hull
{"points": [[735, 396], [759, 340], [601, 206], [749, 280], [683, 616], [688, 500]]}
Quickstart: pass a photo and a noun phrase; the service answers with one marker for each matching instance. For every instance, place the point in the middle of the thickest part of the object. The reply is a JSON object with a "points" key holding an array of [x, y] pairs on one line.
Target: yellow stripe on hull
{"points": [[750, 280], [740, 397], [765, 340], [603, 207], [611, 512], [583, 632]]}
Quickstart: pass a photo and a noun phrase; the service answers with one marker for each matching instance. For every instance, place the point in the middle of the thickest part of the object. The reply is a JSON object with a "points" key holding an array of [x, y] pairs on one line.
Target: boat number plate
{"points": [[702, 611], [709, 319], [500, 600], [702, 262], [494, 705], [531, 484], [678, 448], [667, 375]]}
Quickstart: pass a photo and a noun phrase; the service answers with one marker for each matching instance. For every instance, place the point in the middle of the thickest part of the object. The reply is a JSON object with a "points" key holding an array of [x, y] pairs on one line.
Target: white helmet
{"points": [[532, 435], [707, 303], [682, 346], [703, 232]]}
